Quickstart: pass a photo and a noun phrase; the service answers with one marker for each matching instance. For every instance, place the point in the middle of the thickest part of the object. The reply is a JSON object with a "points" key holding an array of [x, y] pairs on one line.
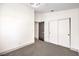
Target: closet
{"points": [[60, 32]]}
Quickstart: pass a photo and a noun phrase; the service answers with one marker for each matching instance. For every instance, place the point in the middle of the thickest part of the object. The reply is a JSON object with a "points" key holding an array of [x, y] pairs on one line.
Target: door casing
{"points": [[41, 31]]}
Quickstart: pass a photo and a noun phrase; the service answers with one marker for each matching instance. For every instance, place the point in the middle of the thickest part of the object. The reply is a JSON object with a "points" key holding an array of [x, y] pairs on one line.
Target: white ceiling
{"points": [[46, 7]]}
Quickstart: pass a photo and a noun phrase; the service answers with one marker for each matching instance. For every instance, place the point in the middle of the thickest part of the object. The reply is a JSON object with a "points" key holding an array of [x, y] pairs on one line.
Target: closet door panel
{"points": [[63, 33], [53, 32]]}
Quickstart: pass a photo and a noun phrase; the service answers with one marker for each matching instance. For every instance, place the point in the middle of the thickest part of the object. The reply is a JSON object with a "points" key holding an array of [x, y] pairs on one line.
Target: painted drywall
{"points": [[39, 17], [36, 33], [16, 26], [73, 14]]}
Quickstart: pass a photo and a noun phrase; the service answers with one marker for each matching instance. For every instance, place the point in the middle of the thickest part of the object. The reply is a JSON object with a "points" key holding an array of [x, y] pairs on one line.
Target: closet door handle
{"points": [[68, 34]]}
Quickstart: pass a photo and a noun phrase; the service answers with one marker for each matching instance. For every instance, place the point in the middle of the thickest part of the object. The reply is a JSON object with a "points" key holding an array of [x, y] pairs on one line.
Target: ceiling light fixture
{"points": [[35, 5]]}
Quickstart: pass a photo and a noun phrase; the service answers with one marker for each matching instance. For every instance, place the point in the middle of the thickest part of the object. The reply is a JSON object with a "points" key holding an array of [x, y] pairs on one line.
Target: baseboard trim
{"points": [[13, 49], [75, 49]]}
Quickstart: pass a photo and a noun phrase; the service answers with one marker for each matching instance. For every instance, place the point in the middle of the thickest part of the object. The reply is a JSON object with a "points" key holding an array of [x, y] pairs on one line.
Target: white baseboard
{"points": [[74, 49], [10, 50], [77, 50]]}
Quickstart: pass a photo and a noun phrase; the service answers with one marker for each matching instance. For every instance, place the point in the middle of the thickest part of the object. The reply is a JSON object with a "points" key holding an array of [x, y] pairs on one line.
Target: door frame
{"points": [[69, 18], [44, 29]]}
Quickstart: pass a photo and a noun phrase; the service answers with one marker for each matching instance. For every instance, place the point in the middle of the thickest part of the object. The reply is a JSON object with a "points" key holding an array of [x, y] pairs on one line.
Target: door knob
{"points": [[68, 34]]}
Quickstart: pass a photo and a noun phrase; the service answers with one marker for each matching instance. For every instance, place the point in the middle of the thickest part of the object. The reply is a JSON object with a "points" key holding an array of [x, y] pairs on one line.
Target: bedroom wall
{"points": [[36, 30], [16, 26]]}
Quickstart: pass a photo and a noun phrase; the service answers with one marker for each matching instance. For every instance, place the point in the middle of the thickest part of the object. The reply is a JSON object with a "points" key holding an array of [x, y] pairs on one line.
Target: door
{"points": [[41, 31], [53, 32], [60, 32], [64, 33]]}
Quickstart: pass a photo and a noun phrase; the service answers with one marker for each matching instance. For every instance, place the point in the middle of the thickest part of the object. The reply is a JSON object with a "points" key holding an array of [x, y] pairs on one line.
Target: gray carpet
{"points": [[40, 48]]}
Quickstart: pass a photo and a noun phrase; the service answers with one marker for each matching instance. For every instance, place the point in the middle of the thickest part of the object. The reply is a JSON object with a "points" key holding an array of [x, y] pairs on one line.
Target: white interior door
{"points": [[63, 33], [53, 32]]}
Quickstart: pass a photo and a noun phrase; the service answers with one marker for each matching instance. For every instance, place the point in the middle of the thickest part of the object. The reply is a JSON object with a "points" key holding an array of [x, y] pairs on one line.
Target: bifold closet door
{"points": [[63, 33], [53, 32]]}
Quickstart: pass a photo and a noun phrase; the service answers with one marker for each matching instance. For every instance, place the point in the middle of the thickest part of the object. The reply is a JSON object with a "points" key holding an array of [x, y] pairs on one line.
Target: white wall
{"points": [[39, 17], [36, 30], [73, 13], [16, 26]]}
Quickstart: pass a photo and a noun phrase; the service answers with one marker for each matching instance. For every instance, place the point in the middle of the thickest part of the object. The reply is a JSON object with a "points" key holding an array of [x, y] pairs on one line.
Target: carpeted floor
{"points": [[40, 48]]}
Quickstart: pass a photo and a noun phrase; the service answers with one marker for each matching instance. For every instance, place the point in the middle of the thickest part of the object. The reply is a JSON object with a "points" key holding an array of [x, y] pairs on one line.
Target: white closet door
{"points": [[63, 33], [53, 32]]}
